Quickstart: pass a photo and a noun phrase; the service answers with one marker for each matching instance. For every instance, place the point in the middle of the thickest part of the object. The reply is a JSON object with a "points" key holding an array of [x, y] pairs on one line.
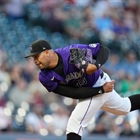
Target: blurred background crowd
{"points": [[25, 105]]}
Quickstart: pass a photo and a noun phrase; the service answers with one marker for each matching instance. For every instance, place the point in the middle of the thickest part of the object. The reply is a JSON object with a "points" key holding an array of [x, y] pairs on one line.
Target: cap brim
{"points": [[31, 54]]}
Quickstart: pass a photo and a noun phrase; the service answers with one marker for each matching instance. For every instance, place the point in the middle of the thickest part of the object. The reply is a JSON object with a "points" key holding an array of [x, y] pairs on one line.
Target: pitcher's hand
{"points": [[109, 86]]}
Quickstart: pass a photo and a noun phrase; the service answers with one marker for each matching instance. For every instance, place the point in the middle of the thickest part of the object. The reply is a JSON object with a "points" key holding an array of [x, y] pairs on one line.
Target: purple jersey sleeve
{"points": [[47, 81]]}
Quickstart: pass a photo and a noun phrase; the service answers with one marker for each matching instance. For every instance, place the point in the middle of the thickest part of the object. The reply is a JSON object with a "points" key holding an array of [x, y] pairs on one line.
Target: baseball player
{"points": [[75, 71]]}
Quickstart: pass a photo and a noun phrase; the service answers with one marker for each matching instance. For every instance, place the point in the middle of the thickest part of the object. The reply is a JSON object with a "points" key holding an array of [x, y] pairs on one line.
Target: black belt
{"points": [[102, 74]]}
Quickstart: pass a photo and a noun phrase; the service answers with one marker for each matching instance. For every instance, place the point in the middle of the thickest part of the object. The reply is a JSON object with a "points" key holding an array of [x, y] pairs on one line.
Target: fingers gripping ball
{"points": [[78, 58]]}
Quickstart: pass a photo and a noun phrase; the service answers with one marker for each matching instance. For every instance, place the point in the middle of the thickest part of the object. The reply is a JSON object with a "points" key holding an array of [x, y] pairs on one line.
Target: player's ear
{"points": [[46, 51]]}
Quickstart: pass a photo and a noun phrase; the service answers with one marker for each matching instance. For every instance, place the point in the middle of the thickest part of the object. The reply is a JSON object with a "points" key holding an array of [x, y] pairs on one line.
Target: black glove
{"points": [[78, 58]]}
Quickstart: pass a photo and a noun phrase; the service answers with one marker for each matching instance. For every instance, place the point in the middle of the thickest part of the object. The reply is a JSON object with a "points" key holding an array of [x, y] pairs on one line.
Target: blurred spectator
{"points": [[4, 70], [89, 31], [99, 129], [136, 86], [101, 4], [59, 120], [15, 74], [15, 9], [82, 3], [104, 22], [55, 21], [51, 14], [2, 3], [4, 77], [34, 120], [37, 98], [5, 121], [3, 100], [132, 6], [130, 64], [127, 130], [73, 23], [126, 83], [112, 66], [29, 70], [19, 93], [101, 125], [114, 131]]}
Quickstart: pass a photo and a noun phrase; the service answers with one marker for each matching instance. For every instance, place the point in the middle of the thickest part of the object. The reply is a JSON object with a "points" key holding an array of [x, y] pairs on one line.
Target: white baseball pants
{"points": [[85, 109]]}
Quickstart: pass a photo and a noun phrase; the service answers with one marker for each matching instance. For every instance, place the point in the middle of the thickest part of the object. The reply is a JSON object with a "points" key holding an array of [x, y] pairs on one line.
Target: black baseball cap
{"points": [[37, 47]]}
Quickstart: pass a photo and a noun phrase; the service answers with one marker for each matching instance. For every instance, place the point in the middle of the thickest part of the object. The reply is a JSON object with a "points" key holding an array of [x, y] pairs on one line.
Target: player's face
{"points": [[42, 60]]}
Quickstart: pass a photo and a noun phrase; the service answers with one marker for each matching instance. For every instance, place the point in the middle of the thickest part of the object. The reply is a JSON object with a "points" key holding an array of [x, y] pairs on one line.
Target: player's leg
{"points": [[117, 105], [121, 105], [135, 102], [80, 117], [82, 114]]}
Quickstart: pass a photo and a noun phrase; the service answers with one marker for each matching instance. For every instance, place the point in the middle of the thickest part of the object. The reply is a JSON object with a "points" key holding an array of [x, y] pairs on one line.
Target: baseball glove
{"points": [[78, 58]]}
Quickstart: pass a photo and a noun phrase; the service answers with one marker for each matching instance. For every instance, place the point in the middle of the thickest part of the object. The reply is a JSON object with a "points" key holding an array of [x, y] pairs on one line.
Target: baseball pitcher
{"points": [[75, 71]]}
